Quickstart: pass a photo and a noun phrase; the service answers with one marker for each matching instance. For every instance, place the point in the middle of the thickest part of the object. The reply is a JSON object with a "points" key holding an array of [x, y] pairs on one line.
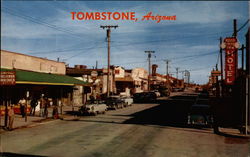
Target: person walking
{"points": [[11, 115], [22, 104], [33, 105]]}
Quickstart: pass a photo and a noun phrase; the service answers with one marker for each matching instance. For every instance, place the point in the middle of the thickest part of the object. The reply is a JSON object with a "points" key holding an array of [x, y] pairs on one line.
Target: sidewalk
{"points": [[20, 122], [231, 132]]}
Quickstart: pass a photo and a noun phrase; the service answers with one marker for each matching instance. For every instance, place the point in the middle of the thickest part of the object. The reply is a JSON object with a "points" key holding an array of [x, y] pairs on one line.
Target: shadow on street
{"points": [[172, 112]]}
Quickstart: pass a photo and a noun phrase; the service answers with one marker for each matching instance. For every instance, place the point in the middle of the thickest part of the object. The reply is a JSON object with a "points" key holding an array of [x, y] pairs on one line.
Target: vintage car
{"points": [[164, 91], [115, 102], [93, 108], [158, 94], [128, 101], [200, 114], [144, 97]]}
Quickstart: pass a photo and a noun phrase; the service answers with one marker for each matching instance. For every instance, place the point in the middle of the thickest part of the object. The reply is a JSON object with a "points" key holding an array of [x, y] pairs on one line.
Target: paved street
{"points": [[143, 130]]}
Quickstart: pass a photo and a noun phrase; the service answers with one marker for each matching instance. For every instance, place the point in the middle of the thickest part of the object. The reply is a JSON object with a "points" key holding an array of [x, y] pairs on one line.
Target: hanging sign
{"points": [[7, 78], [231, 46]]}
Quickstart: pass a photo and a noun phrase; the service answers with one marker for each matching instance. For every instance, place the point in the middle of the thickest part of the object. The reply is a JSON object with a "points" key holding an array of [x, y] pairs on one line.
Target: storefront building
{"points": [[35, 78]]}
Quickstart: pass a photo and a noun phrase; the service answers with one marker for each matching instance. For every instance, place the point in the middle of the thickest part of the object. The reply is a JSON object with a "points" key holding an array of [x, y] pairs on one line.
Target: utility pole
{"points": [[149, 67], [221, 68], [236, 51], [177, 71], [221, 60], [187, 76], [108, 27], [167, 77], [167, 62], [247, 81], [235, 28], [242, 56], [96, 64], [183, 73]]}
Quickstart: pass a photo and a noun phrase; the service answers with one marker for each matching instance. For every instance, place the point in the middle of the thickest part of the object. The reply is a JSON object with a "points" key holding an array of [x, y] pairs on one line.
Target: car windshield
{"points": [[200, 109], [202, 95], [94, 102], [112, 98], [202, 101]]}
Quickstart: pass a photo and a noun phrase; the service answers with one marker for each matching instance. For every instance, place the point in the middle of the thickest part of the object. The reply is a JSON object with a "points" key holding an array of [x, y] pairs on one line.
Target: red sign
{"points": [[231, 59], [7, 78]]}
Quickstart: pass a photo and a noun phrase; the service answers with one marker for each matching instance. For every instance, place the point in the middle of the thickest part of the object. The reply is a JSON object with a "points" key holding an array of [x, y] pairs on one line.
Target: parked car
{"points": [[158, 94], [203, 95], [177, 89], [144, 97], [128, 101], [200, 114], [164, 91], [115, 102], [93, 108]]}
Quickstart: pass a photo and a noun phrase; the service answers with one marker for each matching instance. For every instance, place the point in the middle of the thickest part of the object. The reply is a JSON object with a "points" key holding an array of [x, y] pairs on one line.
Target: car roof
{"points": [[200, 106]]}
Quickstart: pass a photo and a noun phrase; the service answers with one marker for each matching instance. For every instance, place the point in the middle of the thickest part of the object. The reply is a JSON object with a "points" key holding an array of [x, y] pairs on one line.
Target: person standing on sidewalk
{"points": [[42, 106], [22, 103], [55, 111], [11, 115], [46, 105]]}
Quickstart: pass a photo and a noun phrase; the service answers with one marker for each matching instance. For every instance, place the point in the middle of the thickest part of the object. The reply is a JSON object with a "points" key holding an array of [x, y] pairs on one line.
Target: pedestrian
{"points": [[22, 104], [42, 106], [11, 115], [60, 106], [33, 105], [55, 112], [46, 105], [38, 105], [92, 99]]}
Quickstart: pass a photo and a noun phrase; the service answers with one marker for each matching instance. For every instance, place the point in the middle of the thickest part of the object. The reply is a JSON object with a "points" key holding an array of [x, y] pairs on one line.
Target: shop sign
{"points": [[216, 73], [231, 46], [7, 78], [154, 67], [94, 74]]}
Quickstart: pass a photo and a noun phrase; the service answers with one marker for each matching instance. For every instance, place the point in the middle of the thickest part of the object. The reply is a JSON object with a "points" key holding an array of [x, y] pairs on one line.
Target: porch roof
{"points": [[30, 77]]}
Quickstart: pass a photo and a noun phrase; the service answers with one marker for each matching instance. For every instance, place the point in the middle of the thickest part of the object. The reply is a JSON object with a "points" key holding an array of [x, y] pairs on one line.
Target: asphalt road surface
{"points": [[143, 130]]}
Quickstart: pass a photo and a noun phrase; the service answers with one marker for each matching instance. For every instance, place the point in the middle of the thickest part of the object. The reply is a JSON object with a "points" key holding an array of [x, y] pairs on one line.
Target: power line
{"points": [[82, 52], [184, 58], [243, 26], [71, 48], [34, 20], [152, 41], [64, 50], [175, 58], [191, 36]]}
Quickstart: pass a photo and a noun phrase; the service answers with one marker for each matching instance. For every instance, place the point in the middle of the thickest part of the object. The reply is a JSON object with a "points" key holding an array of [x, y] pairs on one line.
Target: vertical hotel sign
{"points": [[231, 46]]}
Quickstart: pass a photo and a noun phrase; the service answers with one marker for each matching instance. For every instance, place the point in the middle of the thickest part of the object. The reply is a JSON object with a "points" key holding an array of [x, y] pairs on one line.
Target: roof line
{"points": [[31, 56]]}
